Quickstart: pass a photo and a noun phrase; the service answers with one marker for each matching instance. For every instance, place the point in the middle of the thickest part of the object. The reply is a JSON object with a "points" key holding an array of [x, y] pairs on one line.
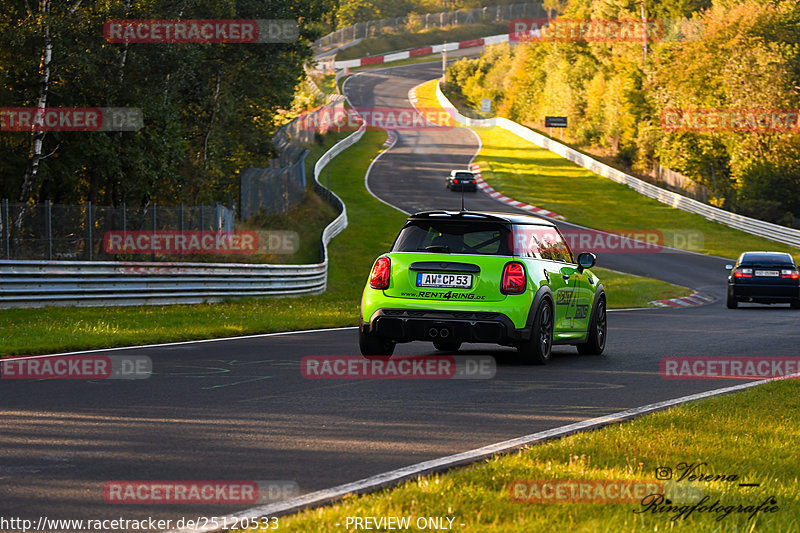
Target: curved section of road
{"points": [[240, 408]]}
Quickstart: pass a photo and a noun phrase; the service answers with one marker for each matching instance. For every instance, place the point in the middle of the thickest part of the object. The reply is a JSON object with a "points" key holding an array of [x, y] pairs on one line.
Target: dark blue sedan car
{"points": [[764, 277]]}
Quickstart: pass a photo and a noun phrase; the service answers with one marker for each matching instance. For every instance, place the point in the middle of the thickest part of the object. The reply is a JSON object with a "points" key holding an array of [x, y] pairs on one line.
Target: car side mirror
{"points": [[728, 267], [586, 260]]}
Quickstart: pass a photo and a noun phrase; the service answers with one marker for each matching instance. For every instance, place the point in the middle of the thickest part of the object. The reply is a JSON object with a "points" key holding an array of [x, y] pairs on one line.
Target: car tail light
{"points": [[513, 281], [790, 274], [743, 273], [379, 277]]}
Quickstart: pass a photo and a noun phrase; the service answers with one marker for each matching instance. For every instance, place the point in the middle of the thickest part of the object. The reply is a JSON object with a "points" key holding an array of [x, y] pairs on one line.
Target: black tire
{"points": [[538, 349], [447, 346], [731, 301], [598, 330], [374, 345]]}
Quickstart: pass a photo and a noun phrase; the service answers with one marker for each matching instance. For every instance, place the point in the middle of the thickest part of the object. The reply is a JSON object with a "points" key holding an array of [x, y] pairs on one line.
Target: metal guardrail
{"points": [[38, 283], [753, 226], [95, 283]]}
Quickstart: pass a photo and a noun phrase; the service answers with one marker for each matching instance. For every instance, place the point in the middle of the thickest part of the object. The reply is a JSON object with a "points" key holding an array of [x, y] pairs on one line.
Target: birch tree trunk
{"points": [[37, 137], [214, 101]]}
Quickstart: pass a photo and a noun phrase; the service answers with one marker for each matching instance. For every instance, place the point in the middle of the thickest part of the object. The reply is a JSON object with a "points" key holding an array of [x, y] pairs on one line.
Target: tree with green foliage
{"points": [[209, 109]]}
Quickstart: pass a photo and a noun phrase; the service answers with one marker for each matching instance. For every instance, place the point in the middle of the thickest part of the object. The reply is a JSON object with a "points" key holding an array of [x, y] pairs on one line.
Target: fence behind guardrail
{"points": [[55, 232], [426, 21]]}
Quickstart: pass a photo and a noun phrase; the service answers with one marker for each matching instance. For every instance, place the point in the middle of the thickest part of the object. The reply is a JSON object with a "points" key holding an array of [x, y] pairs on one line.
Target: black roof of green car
{"points": [[480, 216]]}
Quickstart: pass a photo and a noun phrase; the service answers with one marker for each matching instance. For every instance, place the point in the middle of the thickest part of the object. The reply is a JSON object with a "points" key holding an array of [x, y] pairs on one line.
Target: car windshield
{"points": [[464, 175], [457, 237]]}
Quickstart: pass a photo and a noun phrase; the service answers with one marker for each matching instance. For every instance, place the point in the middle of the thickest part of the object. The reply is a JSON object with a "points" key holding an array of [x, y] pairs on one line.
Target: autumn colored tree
{"points": [[729, 54]]}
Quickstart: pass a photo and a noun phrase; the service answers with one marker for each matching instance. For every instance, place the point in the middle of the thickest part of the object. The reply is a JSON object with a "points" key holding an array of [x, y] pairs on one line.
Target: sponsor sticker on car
{"points": [[444, 281]]}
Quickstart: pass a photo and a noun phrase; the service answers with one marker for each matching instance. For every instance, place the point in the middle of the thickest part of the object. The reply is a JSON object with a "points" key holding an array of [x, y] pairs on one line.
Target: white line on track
{"points": [[198, 341], [369, 169]]}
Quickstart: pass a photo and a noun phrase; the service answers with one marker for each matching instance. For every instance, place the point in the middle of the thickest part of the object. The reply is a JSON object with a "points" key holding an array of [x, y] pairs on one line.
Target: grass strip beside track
{"points": [[371, 230], [750, 435], [525, 172]]}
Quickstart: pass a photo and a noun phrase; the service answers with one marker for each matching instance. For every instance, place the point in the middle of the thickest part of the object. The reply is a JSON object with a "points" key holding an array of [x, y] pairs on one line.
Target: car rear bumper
{"points": [[764, 292], [405, 325]]}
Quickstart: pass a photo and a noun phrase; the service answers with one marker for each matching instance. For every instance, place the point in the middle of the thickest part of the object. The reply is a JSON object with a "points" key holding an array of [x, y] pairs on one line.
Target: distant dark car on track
{"points": [[459, 180], [764, 277]]}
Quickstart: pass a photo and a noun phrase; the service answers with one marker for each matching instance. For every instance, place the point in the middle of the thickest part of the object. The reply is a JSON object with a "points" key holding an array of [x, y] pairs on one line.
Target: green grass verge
{"points": [[391, 42], [625, 291], [747, 434], [528, 173]]}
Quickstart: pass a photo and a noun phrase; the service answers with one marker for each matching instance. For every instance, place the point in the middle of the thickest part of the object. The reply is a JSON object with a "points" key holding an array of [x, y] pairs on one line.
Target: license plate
{"points": [[444, 281], [768, 273]]}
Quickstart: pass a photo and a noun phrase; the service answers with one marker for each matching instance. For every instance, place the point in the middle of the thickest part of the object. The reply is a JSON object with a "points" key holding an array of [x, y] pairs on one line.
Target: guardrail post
{"points": [[89, 224], [153, 220], [48, 228], [6, 229], [303, 168]]}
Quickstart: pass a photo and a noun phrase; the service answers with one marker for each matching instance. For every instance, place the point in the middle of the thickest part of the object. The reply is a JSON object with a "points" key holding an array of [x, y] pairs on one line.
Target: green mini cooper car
{"points": [[456, 277]]}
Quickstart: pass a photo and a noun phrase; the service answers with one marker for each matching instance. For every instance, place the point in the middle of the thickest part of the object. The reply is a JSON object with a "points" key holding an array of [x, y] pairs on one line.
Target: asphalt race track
{"points": [[240, 410]]}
